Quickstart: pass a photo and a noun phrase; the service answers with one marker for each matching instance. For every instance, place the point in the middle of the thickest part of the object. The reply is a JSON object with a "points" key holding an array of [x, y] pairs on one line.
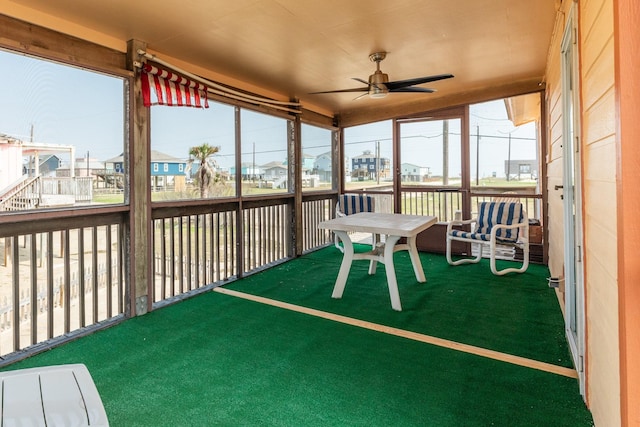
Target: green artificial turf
{"points": [[516, 314], [219, 360]]}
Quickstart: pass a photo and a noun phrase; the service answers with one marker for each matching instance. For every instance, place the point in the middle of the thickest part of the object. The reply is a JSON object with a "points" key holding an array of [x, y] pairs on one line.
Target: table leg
{"points": [[392, 282], [345, 266], [415, 259], [376, 250]]}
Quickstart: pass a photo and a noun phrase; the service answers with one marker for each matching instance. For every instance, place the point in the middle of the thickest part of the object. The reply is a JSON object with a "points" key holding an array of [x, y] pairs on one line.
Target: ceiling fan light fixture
{"points": [[379, 85], [377, 93]]}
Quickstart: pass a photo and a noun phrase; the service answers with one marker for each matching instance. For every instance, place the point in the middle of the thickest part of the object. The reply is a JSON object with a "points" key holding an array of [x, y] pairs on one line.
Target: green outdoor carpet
{"points": [[219, 360], [516, 314]]}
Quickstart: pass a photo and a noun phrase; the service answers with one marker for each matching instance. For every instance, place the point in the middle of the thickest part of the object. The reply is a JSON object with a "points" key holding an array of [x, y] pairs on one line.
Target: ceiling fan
{"points": [[379, 85]]}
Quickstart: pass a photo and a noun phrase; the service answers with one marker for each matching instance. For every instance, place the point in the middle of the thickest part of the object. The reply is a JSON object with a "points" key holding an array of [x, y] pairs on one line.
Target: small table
{"points": [[393, 226], [63, 395]]}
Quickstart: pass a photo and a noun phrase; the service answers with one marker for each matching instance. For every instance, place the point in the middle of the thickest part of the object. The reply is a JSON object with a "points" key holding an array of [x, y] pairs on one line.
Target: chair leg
{"points": [[462, 260], [337, 242], [521, 269]]}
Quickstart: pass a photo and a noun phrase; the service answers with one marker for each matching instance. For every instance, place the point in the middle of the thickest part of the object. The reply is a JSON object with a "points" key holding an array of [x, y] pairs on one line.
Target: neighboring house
{"points": [[81, 168], [275, 174], [29, 176], [166, 171], [20, 159], [322, 166], [370, 166], [165, 165], [161, 164], [248, 170], [521, 169], [10, 161], [48, 165], [274, 171], [414, 173], [308, 163]]}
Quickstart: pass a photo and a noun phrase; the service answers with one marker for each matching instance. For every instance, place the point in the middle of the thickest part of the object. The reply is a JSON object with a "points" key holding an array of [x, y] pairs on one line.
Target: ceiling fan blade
{"points": [[412, 89], [358, 89], [360, 80], [361, 96], [392, 86]]}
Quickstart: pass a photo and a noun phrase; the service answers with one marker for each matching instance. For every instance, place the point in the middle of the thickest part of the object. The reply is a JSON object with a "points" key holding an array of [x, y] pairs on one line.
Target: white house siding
{"points": [[10, 163]]}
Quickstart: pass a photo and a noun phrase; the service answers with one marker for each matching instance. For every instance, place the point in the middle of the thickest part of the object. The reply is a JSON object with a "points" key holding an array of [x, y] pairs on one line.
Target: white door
{"points": [[573, 253]]}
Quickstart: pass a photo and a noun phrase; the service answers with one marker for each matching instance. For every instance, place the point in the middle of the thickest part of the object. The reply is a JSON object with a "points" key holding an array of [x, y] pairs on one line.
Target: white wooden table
{"points": [[63, 395], [393, 227]]}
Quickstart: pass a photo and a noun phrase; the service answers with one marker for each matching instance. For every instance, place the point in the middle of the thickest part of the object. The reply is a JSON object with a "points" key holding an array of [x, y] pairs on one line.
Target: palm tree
{"points": [[206, 171]]}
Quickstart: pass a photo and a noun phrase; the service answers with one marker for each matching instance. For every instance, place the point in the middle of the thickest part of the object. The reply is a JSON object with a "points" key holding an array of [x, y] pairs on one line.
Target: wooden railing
{"points": [[196, 247], [24, 195], [442, 203], [192, 251], [61, 277], [200, 246], [315, 209], [68, 275], [79, 188], [32, 193], [446, 203]]}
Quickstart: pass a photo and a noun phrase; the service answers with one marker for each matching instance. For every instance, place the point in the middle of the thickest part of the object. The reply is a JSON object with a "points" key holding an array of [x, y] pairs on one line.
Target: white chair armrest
{"points": [[523, 234], [453, 223]]}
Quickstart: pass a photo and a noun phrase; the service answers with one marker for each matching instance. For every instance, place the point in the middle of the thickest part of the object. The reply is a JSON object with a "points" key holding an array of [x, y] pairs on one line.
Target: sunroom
{"points": [[185, 190]]}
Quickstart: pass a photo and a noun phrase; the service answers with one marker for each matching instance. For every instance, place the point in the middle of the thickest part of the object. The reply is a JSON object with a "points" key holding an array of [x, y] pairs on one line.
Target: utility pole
{"points": [[509, 160], [378, 162], [477, 155], [445, 152]]}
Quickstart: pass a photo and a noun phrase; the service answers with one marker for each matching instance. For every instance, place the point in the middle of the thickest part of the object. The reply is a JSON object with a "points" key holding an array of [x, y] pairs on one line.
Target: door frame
{"points": [[433, 238], [574, 298]]}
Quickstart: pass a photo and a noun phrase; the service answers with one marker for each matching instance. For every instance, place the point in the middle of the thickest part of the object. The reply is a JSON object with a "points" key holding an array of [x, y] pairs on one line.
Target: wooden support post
{"points": [[139, 161]]}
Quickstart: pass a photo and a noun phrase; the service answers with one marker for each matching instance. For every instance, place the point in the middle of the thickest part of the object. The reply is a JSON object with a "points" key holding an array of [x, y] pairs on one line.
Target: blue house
{"points": [[367, 165], [167, 172]]}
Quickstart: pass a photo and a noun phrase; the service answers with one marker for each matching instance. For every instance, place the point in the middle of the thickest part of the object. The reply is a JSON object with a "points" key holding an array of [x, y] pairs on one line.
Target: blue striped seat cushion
{"points": [[354, 203], [491, 214], [469, 235]]}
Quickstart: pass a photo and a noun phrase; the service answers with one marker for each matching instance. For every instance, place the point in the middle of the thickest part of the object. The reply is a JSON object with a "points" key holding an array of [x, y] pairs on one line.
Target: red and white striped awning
{"points": [[171, 89]]}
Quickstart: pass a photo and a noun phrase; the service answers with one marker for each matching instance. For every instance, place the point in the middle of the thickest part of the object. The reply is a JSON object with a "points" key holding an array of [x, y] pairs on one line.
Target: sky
{"points": [[55, 104], [63, 105]]}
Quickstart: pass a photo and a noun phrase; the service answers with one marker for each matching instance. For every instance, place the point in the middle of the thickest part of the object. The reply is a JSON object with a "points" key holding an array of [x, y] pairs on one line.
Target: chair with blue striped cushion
{"points": [[349, 204], [497, 223]]}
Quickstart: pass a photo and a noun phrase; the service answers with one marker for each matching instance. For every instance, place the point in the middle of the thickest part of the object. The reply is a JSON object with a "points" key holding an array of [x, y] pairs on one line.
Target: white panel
{"points": [[21, 401]]}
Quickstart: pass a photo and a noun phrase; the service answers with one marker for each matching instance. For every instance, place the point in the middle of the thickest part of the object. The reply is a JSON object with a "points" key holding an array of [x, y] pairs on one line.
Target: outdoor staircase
{"points": [[21, 195]]}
